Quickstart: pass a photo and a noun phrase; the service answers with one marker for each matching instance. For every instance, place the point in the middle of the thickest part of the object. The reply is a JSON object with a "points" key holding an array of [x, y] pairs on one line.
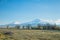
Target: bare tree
{"points": [[17, 26], [23, 27], [7, 26], [28, 26], [39, 26]]}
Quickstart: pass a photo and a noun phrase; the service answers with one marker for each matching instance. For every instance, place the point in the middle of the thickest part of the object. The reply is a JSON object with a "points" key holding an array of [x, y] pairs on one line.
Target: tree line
{"points": [[38, 27]]}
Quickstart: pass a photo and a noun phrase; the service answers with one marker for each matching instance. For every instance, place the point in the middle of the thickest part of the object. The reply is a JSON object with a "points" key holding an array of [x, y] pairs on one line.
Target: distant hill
{"points": [[34, 22]]}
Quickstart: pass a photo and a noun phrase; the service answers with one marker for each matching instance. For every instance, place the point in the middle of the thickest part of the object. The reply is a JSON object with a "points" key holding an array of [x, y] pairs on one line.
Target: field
{"points": [[30, 34]]}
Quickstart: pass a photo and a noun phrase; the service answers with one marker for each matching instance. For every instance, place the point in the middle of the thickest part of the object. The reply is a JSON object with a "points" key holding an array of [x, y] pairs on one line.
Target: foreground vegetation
{"points": [[30, 34]]}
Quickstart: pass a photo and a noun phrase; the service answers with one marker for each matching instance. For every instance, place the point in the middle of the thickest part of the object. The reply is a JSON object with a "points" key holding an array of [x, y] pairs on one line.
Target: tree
{"points": [[44, 26], [54, 27], [23, 27], [39, 26], [7, 26], [48, 26], [17, 26], [28, 26]]}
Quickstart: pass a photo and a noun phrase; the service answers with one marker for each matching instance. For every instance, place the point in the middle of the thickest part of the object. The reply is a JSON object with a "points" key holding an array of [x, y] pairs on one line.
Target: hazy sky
{"points": [[26, 10]]}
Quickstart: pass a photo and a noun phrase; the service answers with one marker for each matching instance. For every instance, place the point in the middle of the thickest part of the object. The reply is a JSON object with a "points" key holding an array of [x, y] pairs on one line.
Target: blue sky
{"points": [[26, 10]]}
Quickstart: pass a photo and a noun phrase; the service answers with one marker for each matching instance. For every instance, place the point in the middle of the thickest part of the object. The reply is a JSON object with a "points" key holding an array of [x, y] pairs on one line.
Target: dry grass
{"points": [[31, 35]]}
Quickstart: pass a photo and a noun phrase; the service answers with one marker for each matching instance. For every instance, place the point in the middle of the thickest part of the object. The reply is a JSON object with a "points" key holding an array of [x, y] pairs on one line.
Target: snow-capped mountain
{"points": [[35, 22]]}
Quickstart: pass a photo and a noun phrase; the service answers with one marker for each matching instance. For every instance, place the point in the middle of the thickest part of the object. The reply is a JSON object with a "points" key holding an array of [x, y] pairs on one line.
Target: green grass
{"points": [[31, 34]]}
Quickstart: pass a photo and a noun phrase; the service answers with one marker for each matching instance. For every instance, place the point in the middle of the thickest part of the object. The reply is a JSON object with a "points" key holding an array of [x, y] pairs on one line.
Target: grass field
{"points": [[30, 35]]}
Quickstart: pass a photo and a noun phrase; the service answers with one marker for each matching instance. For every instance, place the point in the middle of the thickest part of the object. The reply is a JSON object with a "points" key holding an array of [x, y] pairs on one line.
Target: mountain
{"points": [[32, 23], [35, 22]]}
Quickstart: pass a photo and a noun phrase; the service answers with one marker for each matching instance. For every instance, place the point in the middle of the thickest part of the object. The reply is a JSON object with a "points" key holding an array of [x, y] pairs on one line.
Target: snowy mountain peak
{"points": [[16, 22], [36, 20]]}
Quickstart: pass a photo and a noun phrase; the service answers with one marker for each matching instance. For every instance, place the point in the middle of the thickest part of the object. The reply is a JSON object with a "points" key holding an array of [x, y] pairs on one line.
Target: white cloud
{"points": [[57, 21], [46, 20], [52, 21]]}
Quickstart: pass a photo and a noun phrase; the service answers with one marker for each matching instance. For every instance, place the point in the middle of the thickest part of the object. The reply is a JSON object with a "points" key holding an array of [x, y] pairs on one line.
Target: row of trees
{"points": [[38, 27]]}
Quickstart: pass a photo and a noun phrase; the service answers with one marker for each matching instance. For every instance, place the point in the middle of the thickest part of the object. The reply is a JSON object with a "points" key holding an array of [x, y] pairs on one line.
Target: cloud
{"points": [[52, 21], [57, 21], [46, 20]]}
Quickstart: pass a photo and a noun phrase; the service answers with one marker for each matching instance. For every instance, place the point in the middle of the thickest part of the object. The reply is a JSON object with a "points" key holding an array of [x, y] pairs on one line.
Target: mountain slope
{"points": [[33, 23]]}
